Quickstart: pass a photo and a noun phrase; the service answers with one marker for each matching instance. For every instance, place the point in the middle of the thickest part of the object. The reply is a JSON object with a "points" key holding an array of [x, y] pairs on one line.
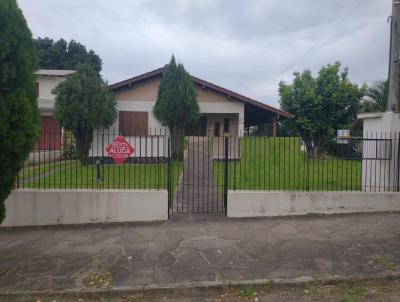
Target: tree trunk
{"points": [[315, 148], [309, 145], [83, 138], [320, 144], [177, 142]]}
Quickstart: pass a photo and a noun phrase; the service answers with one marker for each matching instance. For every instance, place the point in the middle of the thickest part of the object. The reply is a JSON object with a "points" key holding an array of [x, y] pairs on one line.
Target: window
{"points": [[37, 89], [226, 125], [132, 123]]}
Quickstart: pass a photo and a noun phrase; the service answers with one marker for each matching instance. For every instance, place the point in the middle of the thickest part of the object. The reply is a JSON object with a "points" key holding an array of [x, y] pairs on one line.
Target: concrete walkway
{"points": [[200, 249], [197, 191]]}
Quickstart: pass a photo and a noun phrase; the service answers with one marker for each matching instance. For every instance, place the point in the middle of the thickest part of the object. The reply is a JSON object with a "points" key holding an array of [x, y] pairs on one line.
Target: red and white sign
{"points": [[120, 150]]}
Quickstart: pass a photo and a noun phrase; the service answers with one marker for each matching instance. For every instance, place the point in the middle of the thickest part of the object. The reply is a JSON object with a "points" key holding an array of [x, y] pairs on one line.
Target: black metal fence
{"points": [[212, 165], [367, 164], [54, 163]]}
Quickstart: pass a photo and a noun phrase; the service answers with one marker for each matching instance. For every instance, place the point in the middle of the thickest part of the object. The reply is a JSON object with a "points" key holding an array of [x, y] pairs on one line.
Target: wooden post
{"points": [[394, 57], [274, 126]]}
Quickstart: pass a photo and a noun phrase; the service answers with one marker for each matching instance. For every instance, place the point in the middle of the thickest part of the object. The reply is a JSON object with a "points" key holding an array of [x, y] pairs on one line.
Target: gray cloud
{"points": [[246, 46]]}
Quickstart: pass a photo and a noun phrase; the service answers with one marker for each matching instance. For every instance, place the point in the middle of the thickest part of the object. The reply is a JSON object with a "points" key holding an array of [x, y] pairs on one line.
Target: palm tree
{"points": [[376, 98]]}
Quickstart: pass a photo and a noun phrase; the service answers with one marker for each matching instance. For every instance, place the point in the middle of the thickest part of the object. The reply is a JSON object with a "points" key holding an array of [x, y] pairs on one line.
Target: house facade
{"points": [[46, 81], [223, 112]]}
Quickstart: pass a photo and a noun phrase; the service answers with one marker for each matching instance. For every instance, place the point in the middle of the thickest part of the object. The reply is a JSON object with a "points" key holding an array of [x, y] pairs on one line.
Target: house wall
{"points": [[50, 137], [46, 85], [142, 97], [380, 175], [213, 118]]}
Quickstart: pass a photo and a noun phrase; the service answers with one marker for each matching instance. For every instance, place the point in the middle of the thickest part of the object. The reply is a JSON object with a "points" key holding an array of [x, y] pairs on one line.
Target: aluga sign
{"points": [[120, 150]]}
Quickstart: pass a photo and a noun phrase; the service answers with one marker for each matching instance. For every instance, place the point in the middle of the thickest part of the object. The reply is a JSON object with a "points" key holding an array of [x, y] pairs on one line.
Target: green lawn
{"points": [[71, 174], [33, 170], [279, 164]]}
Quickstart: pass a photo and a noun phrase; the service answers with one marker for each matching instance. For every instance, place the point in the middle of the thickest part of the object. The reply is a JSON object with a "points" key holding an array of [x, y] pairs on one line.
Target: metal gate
{"points": [[202, 185]]}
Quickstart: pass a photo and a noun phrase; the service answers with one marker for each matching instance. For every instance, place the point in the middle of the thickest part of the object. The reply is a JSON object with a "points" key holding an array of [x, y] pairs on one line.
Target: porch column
{"points": [[274, 125]]}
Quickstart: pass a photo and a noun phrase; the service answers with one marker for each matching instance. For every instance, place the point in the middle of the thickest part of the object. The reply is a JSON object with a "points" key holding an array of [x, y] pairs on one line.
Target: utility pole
{"points": [[394, 57]]}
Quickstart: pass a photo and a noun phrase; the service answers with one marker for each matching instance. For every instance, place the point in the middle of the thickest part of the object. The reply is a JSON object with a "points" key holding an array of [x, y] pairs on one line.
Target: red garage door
{"points": [[50, 137]]}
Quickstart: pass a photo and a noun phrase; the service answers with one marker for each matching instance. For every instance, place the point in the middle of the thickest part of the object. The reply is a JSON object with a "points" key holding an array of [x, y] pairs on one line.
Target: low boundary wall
{"points": [[282, 203], [50, 207]]}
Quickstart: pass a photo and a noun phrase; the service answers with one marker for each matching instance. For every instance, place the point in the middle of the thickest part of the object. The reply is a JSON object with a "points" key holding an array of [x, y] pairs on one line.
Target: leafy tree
{"points": [[62, 55], [19, 114], [376, 98], [261, 130], [321, 105], [84, 104], [287, 128], [176, 106]]}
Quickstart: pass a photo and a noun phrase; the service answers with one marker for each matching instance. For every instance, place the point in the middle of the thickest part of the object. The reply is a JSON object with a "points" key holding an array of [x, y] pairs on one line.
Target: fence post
{"points": [[398, 162], [226, 174], [169, 177]]}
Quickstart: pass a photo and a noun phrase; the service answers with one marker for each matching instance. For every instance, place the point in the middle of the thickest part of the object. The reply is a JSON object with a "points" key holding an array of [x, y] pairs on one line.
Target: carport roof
{"points": [[251, 104]]}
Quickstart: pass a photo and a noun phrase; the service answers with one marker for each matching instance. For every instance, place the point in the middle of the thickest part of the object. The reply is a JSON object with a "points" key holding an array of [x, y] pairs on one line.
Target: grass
{"points": [[265, 164], [73, 175], [35, 170], [246, 291], [368, 291], [280, 164], [353, 293]]}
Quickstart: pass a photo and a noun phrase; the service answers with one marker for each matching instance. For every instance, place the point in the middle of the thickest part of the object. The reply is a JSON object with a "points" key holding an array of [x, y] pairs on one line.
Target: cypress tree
{"points": [[19, 114], [176, 106]]}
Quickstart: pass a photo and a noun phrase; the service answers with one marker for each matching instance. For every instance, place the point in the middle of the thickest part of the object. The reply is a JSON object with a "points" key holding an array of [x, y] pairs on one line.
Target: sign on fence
{"points": [[120, 150], [343, 136]]}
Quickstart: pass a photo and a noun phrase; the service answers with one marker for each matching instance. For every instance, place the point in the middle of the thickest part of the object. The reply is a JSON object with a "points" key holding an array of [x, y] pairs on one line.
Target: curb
{"points": [[202, 288]]}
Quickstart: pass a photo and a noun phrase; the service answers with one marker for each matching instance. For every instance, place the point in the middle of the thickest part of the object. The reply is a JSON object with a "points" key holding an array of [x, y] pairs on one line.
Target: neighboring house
{"points": [[46, 80], [223, 112]]}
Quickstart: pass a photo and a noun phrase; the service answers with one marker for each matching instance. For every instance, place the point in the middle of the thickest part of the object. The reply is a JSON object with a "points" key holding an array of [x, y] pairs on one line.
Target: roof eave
{"points": [[203, 83]]}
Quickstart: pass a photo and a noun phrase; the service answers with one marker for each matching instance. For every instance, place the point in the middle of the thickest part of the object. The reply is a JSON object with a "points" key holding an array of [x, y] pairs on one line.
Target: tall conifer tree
{"points": [[176, 106], [19, 114]]}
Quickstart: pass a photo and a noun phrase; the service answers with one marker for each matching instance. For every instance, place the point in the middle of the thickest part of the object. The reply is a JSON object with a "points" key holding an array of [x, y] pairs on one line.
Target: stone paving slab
{"points": [[200, 249]]}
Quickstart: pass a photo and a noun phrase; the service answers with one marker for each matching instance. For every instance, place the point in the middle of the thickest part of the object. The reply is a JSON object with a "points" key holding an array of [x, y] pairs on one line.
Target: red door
{"points": [[50, 136]]}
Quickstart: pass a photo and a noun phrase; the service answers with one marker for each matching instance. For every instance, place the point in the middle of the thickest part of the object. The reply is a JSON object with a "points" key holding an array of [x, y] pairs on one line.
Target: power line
{"points": [[322, 40]]}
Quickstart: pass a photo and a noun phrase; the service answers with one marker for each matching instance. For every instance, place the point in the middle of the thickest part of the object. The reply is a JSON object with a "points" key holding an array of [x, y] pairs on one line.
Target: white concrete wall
{"points": [[46, 85], [262, 203], [51, 207], [380, 175]]}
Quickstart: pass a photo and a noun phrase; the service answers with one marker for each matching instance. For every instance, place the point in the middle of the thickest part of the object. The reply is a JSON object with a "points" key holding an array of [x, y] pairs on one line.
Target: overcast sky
{"points": [[246, 46]]}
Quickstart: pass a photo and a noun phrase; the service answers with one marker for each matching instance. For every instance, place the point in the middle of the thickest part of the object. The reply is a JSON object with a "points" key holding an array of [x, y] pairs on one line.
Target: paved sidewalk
{"points": [[200, 249]]}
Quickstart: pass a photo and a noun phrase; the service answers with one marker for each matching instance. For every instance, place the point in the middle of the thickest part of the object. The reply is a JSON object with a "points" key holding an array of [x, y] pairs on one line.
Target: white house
{"points": [[223, 112], [46, 81]]}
